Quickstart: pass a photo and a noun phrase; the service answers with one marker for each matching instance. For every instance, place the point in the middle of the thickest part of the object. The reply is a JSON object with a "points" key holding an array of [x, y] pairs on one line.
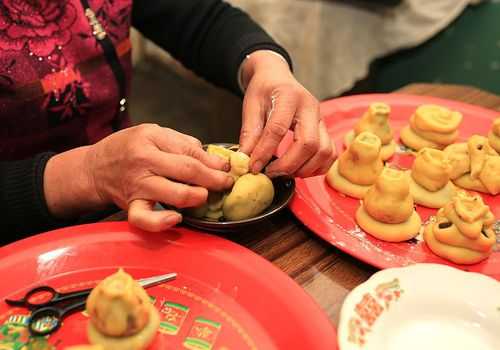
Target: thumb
{"points": [[141, 214]]}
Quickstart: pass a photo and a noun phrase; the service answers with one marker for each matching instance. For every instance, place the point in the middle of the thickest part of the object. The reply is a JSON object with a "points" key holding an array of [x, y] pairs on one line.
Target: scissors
{"points": [[47, 315]]}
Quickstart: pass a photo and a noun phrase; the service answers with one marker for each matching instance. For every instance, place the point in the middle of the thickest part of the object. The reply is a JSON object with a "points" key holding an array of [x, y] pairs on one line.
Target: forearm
{"points": [[45, 192], [22, 201], [264, 60], [68, 185], [208, 36]]}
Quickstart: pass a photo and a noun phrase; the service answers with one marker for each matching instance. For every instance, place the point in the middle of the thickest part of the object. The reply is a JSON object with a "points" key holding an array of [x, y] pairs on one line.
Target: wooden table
{"points": [[325, 272]]}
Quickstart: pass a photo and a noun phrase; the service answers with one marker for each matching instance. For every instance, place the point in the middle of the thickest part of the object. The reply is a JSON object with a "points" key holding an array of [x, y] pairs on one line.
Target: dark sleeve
{"points": [[22, 201], [384, 2], [209, 37]]}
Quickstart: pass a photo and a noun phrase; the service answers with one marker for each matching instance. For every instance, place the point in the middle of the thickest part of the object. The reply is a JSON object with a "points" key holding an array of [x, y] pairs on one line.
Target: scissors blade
{"points": [[155, 280], [11, 302]]}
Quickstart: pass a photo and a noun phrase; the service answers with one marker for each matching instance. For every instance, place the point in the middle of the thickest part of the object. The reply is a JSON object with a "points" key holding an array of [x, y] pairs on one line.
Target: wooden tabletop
{"points": [[325, 272]]}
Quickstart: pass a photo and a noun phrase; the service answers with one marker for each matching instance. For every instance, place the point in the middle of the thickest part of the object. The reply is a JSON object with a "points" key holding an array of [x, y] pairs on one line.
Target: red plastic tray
{"points": [[330, 214], [225, 295]]}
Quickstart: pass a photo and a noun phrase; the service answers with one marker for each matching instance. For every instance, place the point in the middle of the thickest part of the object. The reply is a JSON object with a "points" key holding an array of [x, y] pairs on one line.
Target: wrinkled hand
{"points": [[138, 167], [275, 103]]}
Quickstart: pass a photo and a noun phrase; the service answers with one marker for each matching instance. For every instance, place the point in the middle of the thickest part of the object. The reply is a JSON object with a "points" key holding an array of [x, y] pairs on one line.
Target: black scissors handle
{"points": [[55, 297], [48, 319]]}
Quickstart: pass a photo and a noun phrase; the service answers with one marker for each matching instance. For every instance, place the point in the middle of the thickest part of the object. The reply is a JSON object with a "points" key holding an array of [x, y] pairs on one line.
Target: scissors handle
{"points": [[61, 297], [25, 301], [55, 297], [48, 319]]}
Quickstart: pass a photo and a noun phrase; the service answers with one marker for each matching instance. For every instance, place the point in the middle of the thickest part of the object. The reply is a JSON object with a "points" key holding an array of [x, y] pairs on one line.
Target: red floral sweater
{"points": [[65, 72], [56, 89]]}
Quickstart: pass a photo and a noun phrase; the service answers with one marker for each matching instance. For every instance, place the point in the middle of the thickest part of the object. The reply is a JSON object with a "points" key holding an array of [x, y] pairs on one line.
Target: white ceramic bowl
{"points": [[422, 307]]}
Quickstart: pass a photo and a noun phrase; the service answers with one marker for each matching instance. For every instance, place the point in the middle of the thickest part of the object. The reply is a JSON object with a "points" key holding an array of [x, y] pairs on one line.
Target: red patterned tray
{"points": [[225, 296]]}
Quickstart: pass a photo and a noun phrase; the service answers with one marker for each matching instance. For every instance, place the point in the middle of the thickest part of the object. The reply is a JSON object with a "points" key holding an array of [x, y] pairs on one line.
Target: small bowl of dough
{"points": [[252, 199]]}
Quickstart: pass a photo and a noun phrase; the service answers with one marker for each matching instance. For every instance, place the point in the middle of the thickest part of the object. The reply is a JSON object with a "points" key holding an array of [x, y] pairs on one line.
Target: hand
{"points": [[138, 167], [275, 103]]}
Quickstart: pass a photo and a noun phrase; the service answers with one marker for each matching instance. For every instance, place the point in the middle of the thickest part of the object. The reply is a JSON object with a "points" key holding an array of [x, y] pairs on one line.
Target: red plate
{"points": [[225, 296], [331, 215]]}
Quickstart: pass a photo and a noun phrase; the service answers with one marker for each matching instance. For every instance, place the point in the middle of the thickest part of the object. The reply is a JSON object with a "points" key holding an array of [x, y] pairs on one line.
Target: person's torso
{"points": [[58, 89]]}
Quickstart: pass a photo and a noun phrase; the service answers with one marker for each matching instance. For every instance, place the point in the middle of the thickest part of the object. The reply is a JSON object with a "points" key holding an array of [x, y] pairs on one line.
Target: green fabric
{"points": [[467, 52]]}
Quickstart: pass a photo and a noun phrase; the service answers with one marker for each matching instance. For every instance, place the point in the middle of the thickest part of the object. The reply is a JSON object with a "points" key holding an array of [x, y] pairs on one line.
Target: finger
{"points": [[193, 140], [141, 214], [253, 120], [195, 150], [327, 165], [165, 191], [210, 160], [323, 159], [165, 139], [183, 138], [280, 120], [171, 141], [189, 171], [304, 147]]}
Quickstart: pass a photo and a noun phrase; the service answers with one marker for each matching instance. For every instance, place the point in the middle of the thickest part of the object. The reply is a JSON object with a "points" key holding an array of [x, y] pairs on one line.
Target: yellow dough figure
{"points": [[121, 314], [494, 135], [430, 183], [463, 231], [376, 121], [387, 211], [431, 126], [358, 167], [475, 165], [250, 195]]}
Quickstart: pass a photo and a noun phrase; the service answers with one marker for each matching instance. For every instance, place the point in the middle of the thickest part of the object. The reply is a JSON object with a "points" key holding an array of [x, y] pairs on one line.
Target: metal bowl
{"points": [[284, 189]]}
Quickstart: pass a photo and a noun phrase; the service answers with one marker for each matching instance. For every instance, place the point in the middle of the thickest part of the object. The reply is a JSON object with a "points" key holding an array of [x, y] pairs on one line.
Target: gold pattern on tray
{"points": [[15, 335], [174, 315], [203, 334], [231, 321]]}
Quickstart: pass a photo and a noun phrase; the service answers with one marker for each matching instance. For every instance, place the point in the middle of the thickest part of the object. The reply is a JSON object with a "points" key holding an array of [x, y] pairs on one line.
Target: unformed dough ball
{"points": [[250, 196], [220, 151], [240, 164]]}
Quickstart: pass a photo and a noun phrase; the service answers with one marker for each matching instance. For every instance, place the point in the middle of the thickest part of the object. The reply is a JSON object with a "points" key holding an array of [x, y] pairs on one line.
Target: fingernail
{"points": [[276, 174], [229, 181], [242, 148], [227, 167], [257, 166], [173, 219]]}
